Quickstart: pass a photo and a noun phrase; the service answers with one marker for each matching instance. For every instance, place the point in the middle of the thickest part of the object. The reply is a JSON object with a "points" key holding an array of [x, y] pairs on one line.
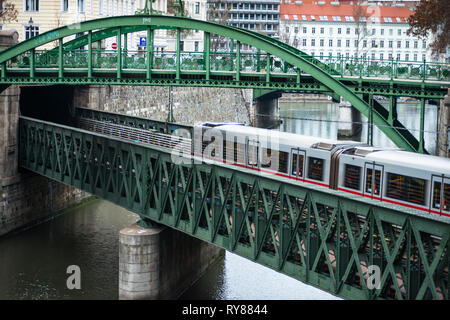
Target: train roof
{"points": [[412, 160], [285, 138]]}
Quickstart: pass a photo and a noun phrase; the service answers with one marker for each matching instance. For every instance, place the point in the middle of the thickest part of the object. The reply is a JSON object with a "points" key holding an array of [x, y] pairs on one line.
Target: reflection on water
{"points": [[33, 263], [320, 119]]}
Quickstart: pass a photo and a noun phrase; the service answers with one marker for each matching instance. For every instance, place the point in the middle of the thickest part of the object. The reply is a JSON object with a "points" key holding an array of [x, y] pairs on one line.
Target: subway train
{"points": [[415, 181]]}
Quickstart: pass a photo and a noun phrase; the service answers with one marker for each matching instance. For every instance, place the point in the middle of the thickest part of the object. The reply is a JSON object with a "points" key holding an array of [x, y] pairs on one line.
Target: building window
{"points": [[31, 31], [65, 5], [331, 31], [196, 46], [381, 56], [348, 31], [313, 30], [356, 43], [339, 43], [322, 30], [330, 42], [321, 42], [381, 43], [391, 43], [296, 30], [304, 29], [374, 31], [364, 43], [339, 30], [399, 32], [304, 42], [391, 32], [374, 44], [81, 8], [31, 5], [287, 29], [100, 7], [415, 56], [197, 8], [424, 44], [407, 57], [407, 44], [416, 44], [382, 32], [313, 42], [347, 43], [399, 44]]}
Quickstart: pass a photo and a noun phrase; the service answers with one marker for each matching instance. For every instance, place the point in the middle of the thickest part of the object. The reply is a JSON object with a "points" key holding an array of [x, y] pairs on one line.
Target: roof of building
{"points": [[328, 10]]}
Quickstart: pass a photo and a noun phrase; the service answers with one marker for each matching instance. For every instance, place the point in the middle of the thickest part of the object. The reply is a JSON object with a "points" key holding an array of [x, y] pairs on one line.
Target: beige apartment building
{"points": [[36, 17]]}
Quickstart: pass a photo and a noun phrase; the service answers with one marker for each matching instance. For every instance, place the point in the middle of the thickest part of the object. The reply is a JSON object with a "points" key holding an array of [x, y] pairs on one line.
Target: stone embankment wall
{"points": [[190, 105]]}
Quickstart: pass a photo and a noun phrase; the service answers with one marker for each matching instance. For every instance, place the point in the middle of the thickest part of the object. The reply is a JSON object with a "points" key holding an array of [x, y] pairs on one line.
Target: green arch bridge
{"points": [[274, 66]]}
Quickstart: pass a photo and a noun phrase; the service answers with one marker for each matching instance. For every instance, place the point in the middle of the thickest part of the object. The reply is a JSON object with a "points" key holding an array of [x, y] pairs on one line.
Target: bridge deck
{"points": [[322, 237]]}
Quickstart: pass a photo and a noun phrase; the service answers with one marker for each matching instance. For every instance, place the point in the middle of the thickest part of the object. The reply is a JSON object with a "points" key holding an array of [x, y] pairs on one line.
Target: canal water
{"points": [[33, 263]]}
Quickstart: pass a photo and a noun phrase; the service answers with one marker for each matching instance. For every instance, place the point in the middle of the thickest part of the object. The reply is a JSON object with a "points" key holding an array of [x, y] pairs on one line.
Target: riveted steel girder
{"points": [[326, 238], [291, 57]]}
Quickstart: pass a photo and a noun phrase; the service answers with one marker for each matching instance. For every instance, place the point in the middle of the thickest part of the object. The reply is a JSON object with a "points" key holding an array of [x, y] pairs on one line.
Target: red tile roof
{"points": [[311, 11]]}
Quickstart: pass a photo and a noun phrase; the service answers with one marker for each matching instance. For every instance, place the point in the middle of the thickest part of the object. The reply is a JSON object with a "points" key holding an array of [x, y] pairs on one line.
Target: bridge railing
{"points": [[227, 61]]}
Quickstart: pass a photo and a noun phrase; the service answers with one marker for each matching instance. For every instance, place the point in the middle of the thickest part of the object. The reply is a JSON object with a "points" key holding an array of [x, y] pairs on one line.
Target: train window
{"points": [[406, 188], [373, 185], [352, 177], [266, 161], [315, 168], [437, 196], [239, 152], [297, 167], [283, 158], [252, 159]]}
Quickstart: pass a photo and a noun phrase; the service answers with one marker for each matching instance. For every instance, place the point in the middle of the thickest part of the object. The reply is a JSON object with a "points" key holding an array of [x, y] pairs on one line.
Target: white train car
{"points": [[416, 181]]}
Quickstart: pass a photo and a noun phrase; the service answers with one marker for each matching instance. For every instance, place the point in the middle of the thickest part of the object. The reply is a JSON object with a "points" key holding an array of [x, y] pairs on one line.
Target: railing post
{"points": [[238, 61], [231, 54], [3, 70], [258, 60], [125, 49], [149, 52], [422, 122], [424, 70], [60, 59], [90, 54], [32, 53], [267, 68], [178, 66], [207, 54], [119, 53], [99, 53]]}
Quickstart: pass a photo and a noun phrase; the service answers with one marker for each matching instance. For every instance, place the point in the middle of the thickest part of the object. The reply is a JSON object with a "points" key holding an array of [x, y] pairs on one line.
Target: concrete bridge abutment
{"points": [[267, 111], [160, 263], [25, 198]]}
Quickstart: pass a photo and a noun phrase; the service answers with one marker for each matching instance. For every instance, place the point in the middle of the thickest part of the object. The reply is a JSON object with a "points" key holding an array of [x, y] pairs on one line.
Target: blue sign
{"points": [[142, 41]]}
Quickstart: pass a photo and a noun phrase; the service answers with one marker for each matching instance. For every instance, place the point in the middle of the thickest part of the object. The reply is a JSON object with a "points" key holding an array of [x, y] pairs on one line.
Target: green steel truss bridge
{"points": [[328, 239], [272, 66]]}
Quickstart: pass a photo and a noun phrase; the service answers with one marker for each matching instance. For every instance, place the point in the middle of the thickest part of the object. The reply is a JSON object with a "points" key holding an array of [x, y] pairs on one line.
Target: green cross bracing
{"points": [[274, 66], [326, 238]]}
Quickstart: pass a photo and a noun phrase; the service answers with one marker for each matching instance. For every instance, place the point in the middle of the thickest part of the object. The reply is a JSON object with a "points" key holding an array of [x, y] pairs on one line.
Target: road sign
{"points": [[142, 41], [114, 45]]}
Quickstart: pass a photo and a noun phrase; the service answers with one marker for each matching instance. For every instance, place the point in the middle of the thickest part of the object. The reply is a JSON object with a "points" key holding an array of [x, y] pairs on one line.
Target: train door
{"points": [[297, 163], [440, 194], [253, 153], [373, 180]]}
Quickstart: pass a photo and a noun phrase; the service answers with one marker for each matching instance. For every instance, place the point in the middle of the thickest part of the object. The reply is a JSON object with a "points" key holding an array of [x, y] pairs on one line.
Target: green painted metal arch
{"points": [[268, 45]]}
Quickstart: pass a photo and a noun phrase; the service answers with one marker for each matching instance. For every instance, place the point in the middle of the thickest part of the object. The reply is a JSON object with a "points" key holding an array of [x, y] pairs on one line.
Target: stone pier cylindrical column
{"points": [[139, 263], [267, 113], [349, 121], [443, 147]]}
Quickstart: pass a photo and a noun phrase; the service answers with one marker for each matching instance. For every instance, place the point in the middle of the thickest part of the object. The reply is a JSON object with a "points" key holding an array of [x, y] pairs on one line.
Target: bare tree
{"points": [[173, 9], [360, 19], [8, 11]]}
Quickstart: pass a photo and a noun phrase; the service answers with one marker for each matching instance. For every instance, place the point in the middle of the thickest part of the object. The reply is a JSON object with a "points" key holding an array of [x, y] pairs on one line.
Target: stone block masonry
{"points": [[190, 104], [160, 263]]}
